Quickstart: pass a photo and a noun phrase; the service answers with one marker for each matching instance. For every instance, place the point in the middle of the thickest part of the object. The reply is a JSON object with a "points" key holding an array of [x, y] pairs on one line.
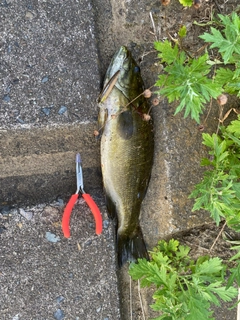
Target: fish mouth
{"points": [[120, 59], [116, 70], [123, 74], [123, 53]]}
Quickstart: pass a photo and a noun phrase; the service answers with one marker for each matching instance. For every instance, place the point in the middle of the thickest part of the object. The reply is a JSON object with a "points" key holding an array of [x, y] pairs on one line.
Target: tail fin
{"points": [[131, 248]]}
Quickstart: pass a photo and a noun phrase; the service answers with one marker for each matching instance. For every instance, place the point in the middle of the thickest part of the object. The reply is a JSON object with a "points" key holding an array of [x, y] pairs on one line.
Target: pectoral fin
{"points": [[102, 118]]}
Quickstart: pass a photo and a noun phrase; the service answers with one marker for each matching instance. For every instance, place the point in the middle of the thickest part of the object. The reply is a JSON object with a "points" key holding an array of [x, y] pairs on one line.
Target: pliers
{"points": [[92, 205]]}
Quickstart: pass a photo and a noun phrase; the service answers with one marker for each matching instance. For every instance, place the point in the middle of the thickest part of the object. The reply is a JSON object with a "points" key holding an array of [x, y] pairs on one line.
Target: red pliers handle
{"points": [[89, 200]]}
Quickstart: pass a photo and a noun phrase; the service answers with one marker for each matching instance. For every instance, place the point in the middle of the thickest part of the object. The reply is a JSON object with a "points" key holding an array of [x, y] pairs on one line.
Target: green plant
{"points": [[227, 41], [190, 80], [185, 288], [235, 272], [185, 80], [219, 191], [190, 3], [186, 3]]}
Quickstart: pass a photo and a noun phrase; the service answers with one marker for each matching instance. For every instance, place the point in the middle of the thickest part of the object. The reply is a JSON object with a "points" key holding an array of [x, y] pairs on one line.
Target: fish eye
{"points": [[136, 69]]}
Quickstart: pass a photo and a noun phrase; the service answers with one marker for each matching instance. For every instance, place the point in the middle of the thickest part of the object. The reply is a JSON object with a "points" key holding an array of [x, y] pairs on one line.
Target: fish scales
{"points": [[126, 153]]}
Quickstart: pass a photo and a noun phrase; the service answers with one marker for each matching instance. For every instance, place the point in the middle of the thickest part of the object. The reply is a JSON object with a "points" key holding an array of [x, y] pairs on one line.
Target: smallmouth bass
{"points": [[126, 152]]}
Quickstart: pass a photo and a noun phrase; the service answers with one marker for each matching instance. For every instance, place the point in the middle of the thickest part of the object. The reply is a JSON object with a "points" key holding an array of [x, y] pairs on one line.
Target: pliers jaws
{"points": [[79, 174]]}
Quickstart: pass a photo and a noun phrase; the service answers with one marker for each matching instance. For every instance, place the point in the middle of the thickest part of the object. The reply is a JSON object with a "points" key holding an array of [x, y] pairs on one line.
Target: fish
{"points": [[126, 147]]}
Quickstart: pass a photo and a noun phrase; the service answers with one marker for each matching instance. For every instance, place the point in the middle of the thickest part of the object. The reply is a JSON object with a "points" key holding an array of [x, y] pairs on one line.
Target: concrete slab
{"points": [[71, 278], [48, 111], [48, 60], [38, 164], [49, 85]]}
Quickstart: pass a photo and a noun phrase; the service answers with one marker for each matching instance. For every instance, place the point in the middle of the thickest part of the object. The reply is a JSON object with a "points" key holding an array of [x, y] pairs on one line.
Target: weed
{"points": [[185, 288]]}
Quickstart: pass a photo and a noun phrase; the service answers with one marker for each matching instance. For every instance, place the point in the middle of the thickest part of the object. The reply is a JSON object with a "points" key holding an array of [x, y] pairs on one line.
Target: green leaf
{"points": [[183, 252], [167, 53], [235, 139], [211, 266], [210, 140], [182, 32], [142, 269], [224, 76], [234, 276], [206, 162], [186, 3], [198, 309], [209, 296], [217, 211], [229, 79], [234, 220], [236, 188], [216, 37], [227, 41], [234, 127], [237, 70], [223, 293], [201, 260], [160, 259], [171, 246]]}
